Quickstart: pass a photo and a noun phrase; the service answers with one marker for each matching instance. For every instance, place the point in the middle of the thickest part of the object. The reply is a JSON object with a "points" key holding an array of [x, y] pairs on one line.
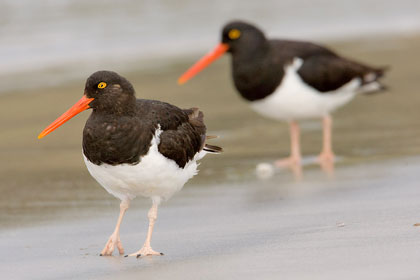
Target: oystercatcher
{"points": [[290, 80], [136, 147]]}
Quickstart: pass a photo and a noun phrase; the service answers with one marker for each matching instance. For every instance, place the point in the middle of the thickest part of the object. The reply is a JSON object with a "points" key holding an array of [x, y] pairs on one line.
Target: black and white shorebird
{"points": [[136, 147], [290, 80]]}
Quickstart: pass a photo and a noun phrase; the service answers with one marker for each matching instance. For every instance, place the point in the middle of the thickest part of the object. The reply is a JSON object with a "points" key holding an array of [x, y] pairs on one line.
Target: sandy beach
{"points": [[226, 223], [357, 226]]}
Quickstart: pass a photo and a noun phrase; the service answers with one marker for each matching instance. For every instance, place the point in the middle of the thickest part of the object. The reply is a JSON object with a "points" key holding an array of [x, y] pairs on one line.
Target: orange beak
{"points": [[80, 106], [203, 63]]}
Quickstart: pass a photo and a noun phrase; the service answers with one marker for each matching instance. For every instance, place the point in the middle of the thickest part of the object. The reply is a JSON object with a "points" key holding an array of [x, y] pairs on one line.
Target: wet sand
{"points": [[358, 227], [55, 218]]}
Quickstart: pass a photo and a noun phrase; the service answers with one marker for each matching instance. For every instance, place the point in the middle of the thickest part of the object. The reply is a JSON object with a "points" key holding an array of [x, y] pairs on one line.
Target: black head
{"points": [[244, 41], [106, 92], [103, 83], [239, 35], [110, 91]]}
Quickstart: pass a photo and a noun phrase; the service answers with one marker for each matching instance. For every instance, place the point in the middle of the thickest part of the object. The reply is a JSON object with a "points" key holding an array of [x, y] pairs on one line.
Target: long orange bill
{"points": [[203, 63], [80, 106]]}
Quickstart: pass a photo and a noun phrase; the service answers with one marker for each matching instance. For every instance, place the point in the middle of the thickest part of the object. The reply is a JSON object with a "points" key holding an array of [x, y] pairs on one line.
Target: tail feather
{"points": [[371, 83], [196, 119], [212, 149]]}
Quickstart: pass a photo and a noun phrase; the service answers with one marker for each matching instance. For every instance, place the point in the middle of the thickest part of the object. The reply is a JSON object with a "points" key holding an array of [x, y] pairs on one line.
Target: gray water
{"points": [[44, 43]]}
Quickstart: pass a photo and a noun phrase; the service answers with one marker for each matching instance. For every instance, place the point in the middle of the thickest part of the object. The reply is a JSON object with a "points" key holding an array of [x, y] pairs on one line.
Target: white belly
{"points": [[293, 99], [155, 176]]}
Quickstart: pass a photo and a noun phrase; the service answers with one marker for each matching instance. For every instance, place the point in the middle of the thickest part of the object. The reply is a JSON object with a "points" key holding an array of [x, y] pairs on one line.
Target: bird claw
{"points": [[145, 251], [113, 241], [326, 158]]}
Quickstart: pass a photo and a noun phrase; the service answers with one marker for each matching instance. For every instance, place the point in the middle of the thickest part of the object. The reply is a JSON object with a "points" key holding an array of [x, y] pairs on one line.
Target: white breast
{"points": [[293, 99], [155, 176]]}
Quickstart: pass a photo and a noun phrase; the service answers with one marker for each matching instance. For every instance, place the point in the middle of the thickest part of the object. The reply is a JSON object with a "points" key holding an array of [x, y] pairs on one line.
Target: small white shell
{"points": [[264, 170]]}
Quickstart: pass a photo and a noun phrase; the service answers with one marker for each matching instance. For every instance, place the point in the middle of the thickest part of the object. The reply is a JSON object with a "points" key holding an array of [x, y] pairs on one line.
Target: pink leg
{"points": [[147, 250], [326, 157], [295, 156], [327, 154], [114, 239]]}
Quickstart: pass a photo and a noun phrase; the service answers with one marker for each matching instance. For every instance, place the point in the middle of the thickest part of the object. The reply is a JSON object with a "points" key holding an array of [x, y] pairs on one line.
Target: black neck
{"points": [[254, 72], [114, 139]]}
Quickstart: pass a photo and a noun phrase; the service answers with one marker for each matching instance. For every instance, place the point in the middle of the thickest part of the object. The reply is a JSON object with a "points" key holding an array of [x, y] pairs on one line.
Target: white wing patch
{"points": [[293, 99]]}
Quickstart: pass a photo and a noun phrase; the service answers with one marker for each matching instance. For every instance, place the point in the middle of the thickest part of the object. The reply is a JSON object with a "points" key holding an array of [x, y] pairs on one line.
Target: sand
{"points": [[55, 219], [347, 228]]}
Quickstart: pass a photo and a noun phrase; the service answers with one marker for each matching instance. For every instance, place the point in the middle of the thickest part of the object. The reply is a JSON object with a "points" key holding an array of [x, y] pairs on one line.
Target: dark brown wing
{"points": [[328, 73], [111, 140], [154, 112], [183, 131], [323, 69]]}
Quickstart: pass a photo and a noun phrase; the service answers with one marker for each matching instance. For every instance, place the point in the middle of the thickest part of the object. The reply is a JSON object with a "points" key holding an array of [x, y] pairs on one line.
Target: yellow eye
{"points": [[234, 34], [102, 85]]}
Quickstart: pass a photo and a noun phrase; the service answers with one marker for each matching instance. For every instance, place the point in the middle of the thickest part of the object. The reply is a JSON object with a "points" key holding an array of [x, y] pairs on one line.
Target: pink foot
{"points": [[288, 162], [326, 160], [325, 157], [145, 251], [114, 240], [294, 163]]}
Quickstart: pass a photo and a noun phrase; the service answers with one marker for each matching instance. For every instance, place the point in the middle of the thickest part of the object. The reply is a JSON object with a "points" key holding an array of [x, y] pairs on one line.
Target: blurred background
{"points": [[49, 48], [50, 42]]}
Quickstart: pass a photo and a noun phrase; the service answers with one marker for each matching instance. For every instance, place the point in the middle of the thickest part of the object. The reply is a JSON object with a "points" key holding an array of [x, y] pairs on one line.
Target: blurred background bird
{"points": [[290, 80]]}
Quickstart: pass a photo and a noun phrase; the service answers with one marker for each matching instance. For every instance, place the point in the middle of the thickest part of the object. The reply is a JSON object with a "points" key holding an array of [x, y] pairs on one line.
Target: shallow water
{"points": [[42, 180], [47, 42], [359, 225]]}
